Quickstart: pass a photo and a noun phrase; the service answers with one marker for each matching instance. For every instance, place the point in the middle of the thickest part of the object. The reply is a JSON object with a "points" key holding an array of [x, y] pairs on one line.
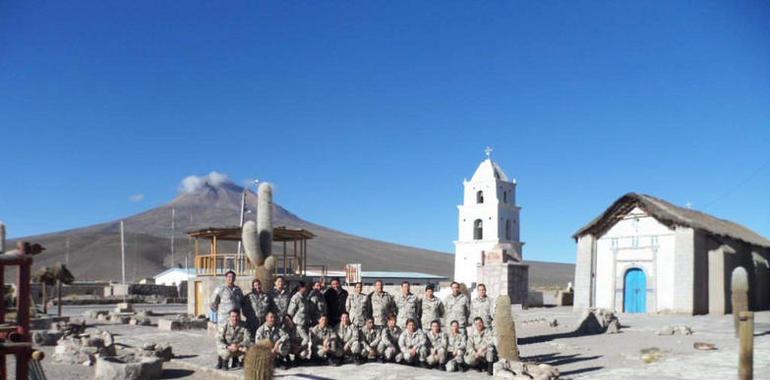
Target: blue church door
{"points": [[635, 292]]}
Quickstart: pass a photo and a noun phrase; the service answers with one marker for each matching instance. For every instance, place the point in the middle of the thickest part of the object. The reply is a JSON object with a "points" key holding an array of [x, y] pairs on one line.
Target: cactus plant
{"points": [[505, 329], [258, 361], [2, 238], [740, 294], [257, 237]]}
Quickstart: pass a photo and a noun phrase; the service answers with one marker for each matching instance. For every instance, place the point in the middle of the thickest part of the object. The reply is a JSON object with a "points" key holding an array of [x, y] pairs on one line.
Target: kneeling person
{"points": [[370, 339], [349, 337], [439, 342], [413, 345], [325, 342], [280, 340], [480, 349], [455, 347], [388, 346], [232, 341]]}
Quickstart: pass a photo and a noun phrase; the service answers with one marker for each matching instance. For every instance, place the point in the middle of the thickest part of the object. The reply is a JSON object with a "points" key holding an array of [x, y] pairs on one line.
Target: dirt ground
{"points": [[607, 356]]}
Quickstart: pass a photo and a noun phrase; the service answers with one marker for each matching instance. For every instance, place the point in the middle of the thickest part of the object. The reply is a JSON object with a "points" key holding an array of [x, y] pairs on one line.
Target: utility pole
{"points": [[243, 214], [122, 254], [173, 217], [67, 252]]}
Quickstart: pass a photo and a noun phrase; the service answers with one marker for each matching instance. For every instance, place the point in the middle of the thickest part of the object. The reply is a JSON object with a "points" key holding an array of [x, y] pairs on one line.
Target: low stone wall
{"points": [[141, 290], [75, 289]]}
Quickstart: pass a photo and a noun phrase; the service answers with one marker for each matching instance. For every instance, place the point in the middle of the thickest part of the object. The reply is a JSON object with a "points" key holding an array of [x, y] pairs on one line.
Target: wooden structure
{"points": [[15, 336], [290, 261]]}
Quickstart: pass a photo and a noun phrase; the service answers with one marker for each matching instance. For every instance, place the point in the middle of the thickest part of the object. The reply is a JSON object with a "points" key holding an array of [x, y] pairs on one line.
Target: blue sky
{"points": [[368, 115]]}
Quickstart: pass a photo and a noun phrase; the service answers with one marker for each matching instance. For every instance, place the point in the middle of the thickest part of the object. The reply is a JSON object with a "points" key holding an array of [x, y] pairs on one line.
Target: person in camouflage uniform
{"points": [[278, 337], [481, 349], [318, 302], [256, 304], [370, 339], [225, 298], [413, 344], [389, 335], [357, 305], [326, 345], [407, 306], [279, 299], [439, 341], [455, 347], [299, 339], [232, 341], [432, 307], [299, 307], [483, 307], [381, 305], [350, 338], [457, 307]]}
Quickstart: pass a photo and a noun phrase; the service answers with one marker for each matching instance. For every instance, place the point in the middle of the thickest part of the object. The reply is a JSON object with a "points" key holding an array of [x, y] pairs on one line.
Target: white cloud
{"points": [[136, 197], [191, 183]]}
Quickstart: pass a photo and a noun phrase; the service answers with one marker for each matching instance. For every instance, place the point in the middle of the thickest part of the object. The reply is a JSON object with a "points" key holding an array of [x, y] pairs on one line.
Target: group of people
{"points": [[331, 325]]}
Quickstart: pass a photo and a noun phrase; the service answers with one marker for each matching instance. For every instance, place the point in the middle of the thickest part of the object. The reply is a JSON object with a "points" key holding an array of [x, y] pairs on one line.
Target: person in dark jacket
{"points": [[335, 302]]}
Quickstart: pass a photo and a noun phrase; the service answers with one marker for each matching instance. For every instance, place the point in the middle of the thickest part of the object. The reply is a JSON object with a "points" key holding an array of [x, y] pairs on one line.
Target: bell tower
{"points": [[488, 217]]}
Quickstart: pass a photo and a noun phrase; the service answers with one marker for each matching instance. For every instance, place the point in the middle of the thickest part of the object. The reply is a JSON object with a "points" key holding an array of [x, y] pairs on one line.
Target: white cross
{"points": [[488, 151]]}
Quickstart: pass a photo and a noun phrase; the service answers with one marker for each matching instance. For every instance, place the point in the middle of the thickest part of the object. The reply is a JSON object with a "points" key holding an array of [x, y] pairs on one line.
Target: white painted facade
{"points": [[636, 241], [174, 276], [488, 216]]}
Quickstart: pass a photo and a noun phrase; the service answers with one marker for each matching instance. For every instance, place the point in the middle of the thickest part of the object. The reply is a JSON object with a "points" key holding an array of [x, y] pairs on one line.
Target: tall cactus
{"points": [[257, 237], [739, 285], [258, 362], [505, 329]]}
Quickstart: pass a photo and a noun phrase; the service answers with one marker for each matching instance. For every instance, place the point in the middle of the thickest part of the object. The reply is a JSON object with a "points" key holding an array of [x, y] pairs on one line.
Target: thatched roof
{"points": [[671, 215]]}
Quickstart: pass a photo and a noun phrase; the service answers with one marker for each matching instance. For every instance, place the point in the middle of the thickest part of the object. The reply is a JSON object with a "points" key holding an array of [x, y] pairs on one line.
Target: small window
{"points": [[505, 197], [508, 229], [480, 197], [478, 229]]}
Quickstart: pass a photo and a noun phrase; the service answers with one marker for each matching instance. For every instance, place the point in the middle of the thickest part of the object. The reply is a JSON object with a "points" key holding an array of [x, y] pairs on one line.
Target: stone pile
{"points": [[182, 322], [128, 367], [671, 330], [550, 322], [59, 330], [510, 369], [84, 348], [159, 350], [598, 321]]}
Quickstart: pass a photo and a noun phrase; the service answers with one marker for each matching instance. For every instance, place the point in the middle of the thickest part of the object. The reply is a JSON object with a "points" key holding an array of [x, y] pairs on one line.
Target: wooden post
{"points": [[746, 359], [45, 297], [58, 295], [739, 285]]}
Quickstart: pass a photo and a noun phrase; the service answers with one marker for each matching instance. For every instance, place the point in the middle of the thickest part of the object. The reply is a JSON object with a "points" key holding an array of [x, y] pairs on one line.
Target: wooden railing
{"points": [[221, 263]]}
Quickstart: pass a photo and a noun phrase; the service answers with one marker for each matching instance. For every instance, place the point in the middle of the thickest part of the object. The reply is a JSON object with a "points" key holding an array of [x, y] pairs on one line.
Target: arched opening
{"points": [[507, 229], [478, 229], [480, 197], [635, 291]]}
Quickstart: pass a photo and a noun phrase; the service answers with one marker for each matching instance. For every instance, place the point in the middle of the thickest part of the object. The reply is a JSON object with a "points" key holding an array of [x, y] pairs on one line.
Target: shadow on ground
{"points": [[176, 373]]}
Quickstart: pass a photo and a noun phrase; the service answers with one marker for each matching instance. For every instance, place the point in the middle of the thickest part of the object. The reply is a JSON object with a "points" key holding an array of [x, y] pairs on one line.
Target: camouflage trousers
{"points": [[407, 357], [489, 357], [352, 348], [388, 351], [226, 354], [334, 351], [436, 356], [456, 358], [369, 351]]}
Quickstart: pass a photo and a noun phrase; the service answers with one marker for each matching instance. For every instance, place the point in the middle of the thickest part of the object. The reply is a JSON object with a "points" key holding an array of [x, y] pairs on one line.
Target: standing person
{"points": [[299, 307], [278, 337], [483, 306], [388, 347], [480, 351], [457, 306], [318, 302], [357, 305], [407, 306], [381, 305], [225, 298], [456, 347], [439, 341], [279, 298], [370, 339], [256, 304], [325, 342], [350, 338], [412, 344], [335, 301], [432, 307], [232, 341]]}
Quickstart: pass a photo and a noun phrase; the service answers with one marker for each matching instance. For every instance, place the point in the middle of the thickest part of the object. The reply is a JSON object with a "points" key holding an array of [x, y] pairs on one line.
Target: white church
{"points": [[488, 221]]}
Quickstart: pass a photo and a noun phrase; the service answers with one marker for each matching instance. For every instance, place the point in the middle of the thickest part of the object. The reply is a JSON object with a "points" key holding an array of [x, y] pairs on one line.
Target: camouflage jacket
{"points": [[390, 336], [457, 341], [381, 305], [274, 334], [440, 340], [457, 309], [432, 310], [229, 334], [318, 303], [348, 333], [255, 307], [483, 308], [408, 306], [318, 334], [480, 339], [299, 310], [371, 337], [358, 308], [280, 303], [225, 299], [409, 340]]}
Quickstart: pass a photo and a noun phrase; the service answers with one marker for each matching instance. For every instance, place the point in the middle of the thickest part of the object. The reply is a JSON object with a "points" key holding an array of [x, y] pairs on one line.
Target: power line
{"points": [[739, 184]]}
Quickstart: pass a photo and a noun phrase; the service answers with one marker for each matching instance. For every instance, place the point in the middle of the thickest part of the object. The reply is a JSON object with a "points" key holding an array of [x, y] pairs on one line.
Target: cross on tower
{"points": [[488, 151]]}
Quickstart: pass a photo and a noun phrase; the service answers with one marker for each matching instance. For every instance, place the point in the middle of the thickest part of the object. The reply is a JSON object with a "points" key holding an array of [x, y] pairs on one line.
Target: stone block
{"points": [[181, 324], [122, 319], [46, 337], [128, 368]]}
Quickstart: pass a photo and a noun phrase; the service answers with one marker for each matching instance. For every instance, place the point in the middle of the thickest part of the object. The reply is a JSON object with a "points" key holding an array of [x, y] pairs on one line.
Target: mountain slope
{"points": [[94, 251]]}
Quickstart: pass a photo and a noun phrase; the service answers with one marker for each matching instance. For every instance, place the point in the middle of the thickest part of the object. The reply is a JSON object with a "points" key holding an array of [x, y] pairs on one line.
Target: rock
{"points": [[128, 368], [667, 330], [89, 341], [94, 314], [107, 337], [651, 355], [684, 330], [122, 319], [553, 323], [671, 330], [613, 327], [181, 324], [124, 307], [102, 317], [704, 346], [164, 352], [597, 321], [140, 321], [46, 337], [69, 351]]}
